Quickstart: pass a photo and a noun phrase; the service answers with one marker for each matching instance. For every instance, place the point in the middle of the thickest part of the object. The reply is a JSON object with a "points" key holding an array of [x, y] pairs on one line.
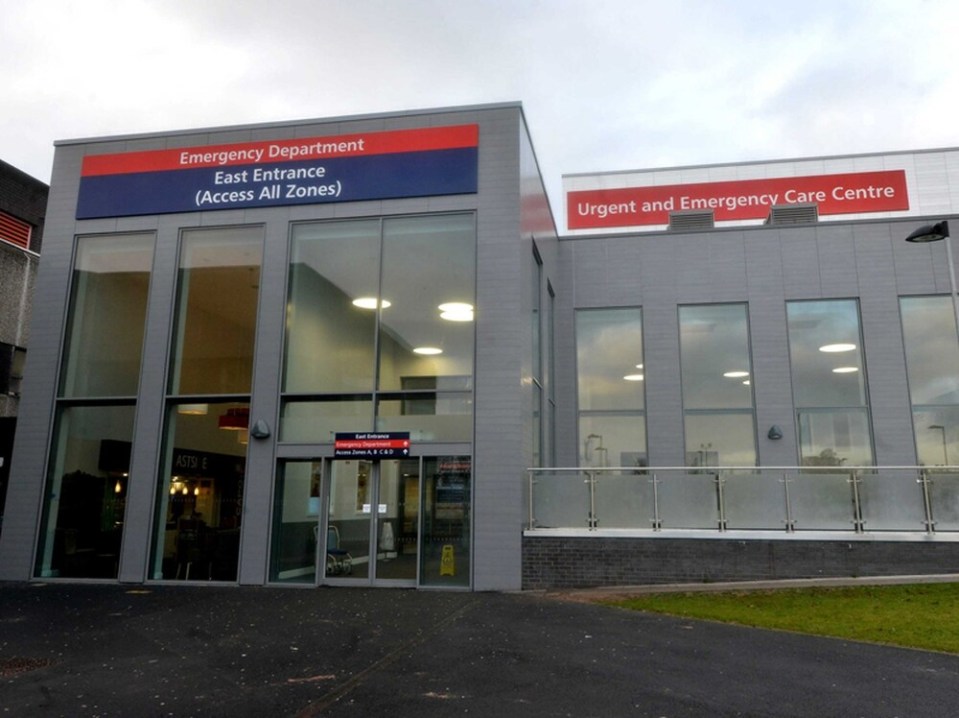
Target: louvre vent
{"points": [[681, 221], [793, 214], [14, 231]]}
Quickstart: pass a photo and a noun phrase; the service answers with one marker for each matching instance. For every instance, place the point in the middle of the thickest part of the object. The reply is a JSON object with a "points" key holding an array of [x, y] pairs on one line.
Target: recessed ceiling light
{"points": [[736, 374], [427, 351], [370, 303], [456, 312], [836, 348], [845, 370], [746, 382], [639, 366], [634, 377]]}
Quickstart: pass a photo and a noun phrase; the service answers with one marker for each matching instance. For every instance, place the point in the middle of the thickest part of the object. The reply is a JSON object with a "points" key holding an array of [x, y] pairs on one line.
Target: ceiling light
{"points": [[746, 382], [634, 377], [428, 351], [456, 312], [370, 303], [193, 409], [639, 366], [845, 370], [836, 348], [736, 374]]}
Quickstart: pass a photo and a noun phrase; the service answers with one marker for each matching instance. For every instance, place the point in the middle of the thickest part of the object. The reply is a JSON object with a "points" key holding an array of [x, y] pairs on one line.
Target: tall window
{"points": [[536, 331], [717, 385], [932, 362], [829, 386], [90, 455], [380, 328], [200, 487], [609, 356]]}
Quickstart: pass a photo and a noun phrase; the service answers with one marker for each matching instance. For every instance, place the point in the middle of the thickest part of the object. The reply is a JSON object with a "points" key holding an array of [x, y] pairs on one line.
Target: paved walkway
{"points": [[108, 650]]}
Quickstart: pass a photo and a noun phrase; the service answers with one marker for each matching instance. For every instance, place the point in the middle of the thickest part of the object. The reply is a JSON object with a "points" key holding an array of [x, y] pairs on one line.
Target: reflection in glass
{"points": [[609, 347], [349, 514], [398, 520], [717, 388], [829, 384], [428, 263], [215, 326], [428, 416], [86, 492], [932, 362], [611, 381], [722, 438], [445, 553], [329, 338], [104, 337], [937, 435], [612, 439], [824, 337], [200, 494], [414, 278], [296, 508]]}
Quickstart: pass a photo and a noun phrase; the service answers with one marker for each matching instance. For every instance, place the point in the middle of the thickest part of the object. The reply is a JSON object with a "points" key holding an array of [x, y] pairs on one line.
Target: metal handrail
{"points": [[721, 474]]}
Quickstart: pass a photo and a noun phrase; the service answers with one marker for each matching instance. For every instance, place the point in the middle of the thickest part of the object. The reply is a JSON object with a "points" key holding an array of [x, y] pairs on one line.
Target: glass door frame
{"points": [[374, 525]]}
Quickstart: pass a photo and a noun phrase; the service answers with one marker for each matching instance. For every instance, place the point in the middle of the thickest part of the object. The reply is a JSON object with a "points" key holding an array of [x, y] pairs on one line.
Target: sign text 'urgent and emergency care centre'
{"points": [[851, 193], [376, 165]]}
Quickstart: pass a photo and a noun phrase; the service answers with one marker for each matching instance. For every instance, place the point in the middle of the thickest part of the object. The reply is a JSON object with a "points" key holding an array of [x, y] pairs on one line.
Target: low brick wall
{"points": [[584, 561]]}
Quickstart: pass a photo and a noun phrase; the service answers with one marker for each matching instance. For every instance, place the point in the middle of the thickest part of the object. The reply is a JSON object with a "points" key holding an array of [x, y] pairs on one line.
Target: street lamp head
{"points": [[930, 232]]}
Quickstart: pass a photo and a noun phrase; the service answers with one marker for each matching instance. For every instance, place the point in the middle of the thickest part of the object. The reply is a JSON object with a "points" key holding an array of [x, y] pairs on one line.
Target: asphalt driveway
{"points": [[109, 650]]}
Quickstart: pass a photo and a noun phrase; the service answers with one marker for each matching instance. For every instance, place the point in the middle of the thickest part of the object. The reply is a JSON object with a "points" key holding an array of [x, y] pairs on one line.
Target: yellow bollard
{"points": [[447, 562]]}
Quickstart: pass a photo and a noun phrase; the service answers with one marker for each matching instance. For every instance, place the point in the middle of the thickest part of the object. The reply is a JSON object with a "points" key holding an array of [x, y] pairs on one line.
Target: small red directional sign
{"points": [[372, 445]]}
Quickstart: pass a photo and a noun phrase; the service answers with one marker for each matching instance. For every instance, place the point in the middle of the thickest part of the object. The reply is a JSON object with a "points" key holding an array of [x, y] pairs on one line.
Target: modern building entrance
{"points": [[395, 522], [372, 528]]}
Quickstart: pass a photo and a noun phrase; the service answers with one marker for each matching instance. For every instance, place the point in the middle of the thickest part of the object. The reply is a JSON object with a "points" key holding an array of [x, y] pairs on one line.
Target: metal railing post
{"points": [[721, 499], [592, 521], [532, 520], [857, 521], [923, 480], [790, 521], [657, 522]]}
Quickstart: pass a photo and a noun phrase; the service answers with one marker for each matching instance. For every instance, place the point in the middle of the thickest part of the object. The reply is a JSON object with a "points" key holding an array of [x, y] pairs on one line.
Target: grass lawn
{"points": [[918, 616]]}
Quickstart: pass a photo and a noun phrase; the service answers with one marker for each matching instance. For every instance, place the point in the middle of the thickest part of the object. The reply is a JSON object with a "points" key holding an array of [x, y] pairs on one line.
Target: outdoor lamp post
{"points": [[934, 233]]}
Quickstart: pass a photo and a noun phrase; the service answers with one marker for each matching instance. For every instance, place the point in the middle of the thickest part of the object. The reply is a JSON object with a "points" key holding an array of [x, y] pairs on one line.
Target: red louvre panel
{"points": [[14, 231]]}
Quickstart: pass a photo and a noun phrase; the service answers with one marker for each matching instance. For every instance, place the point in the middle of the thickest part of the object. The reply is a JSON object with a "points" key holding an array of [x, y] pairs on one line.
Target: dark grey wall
{"points": [[764, 267]]}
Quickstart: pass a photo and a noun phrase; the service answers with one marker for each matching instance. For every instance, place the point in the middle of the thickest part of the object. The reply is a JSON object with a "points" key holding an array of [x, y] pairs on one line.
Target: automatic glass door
{"points": [[372, 522]]}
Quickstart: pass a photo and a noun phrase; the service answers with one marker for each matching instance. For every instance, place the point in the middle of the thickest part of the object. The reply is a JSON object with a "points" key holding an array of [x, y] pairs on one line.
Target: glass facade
{"points": [[380, 328], [383, 521], [90, 458], [932, 363], [829, 384], [717, 385], [610, 371], [200, 486]]}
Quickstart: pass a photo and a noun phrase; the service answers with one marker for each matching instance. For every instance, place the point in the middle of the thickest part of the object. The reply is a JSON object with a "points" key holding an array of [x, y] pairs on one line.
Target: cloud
{"points": [[608, 85]]}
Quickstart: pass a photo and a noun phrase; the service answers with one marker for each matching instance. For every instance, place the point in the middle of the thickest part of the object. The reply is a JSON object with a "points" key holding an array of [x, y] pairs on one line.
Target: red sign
{"points": [[371, 445], [852, 193], [279, 151]]}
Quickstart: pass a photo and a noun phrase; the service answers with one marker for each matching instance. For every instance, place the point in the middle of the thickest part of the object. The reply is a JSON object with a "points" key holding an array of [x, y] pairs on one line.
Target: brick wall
{"points": [[578, 562]]}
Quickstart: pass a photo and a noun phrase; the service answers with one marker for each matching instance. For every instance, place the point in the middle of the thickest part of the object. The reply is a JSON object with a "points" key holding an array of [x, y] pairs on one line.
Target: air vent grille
{"points": [[682, 221], [793, 214]]}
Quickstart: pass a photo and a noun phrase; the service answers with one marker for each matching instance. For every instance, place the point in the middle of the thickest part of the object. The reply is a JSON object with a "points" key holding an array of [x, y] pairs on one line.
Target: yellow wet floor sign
{"points": [[447, 562]]}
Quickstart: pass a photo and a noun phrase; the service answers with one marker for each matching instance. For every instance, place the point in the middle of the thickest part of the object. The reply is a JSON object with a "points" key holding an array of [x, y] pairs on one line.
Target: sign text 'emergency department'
{"points": [[376, 165]]}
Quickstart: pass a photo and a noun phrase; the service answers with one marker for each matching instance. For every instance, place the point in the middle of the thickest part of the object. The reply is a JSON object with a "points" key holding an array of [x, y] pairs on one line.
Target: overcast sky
{"points": [[605, 84]]}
